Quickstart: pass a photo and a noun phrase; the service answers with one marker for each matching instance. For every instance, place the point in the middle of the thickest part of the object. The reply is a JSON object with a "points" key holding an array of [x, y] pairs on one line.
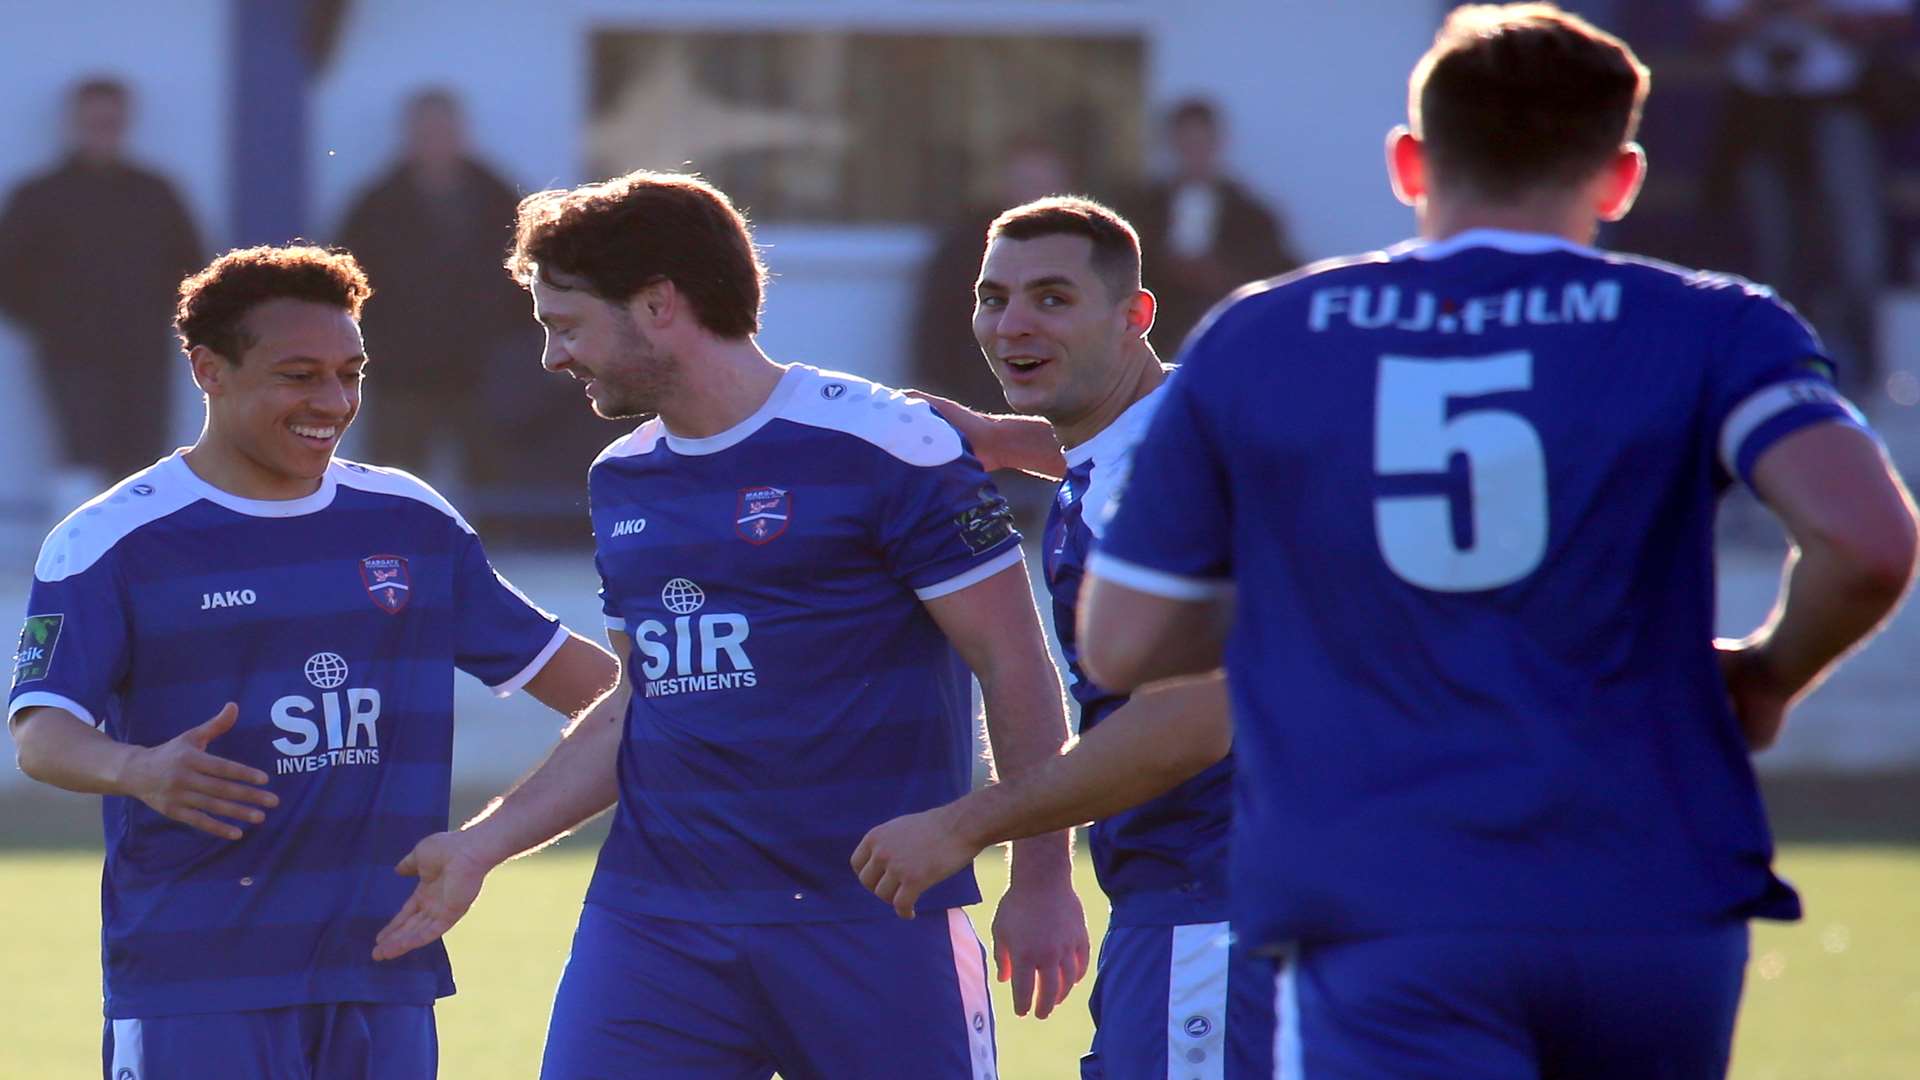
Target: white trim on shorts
{"points": [[1286, 1029], [1197, 1001], [970, 968], [129, 1053]]}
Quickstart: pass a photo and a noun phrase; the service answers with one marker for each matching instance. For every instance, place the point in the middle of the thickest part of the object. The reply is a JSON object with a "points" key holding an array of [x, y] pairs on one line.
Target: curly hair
{"points": [[633, 231], [214, 303]]}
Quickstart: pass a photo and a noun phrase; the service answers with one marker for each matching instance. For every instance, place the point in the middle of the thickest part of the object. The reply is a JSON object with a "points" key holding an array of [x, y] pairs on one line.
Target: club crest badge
{"points": [[762, 513], [385, 577]]}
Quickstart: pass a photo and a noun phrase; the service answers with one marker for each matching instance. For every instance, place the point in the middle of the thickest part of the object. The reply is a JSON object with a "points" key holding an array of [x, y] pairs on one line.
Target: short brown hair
{"points": [[1516, 97], [630, 232], [214, 302], [1116, 246]]}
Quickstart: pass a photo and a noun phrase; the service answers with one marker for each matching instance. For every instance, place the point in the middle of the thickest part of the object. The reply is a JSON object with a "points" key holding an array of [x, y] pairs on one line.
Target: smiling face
{"points": [[601, 344], [278, 411], [1051, 327]]}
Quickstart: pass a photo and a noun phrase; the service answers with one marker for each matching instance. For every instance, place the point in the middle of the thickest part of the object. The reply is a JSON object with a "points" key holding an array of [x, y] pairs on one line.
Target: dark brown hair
{"points": [[214, 302], [645, 227], [1116, 246], [1516, 97]]}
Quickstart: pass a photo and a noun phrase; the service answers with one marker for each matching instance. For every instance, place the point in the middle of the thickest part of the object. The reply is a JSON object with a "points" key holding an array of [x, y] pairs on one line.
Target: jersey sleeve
{"points": [[501, 637], [73, 647], [1773, 379], [946, 527], [1169, 521]]}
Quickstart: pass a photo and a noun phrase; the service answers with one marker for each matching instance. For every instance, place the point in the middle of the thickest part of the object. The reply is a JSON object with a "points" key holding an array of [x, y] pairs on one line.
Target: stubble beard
{"points": [[644, 376]]}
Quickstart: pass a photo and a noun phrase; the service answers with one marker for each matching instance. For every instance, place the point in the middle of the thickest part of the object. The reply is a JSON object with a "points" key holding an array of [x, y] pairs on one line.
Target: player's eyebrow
{"points": [[1051, 281], [988, 285]]}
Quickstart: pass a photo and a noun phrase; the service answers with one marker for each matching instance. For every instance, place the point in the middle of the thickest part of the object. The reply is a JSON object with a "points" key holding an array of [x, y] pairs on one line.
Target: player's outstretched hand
{"points": [[180, 779], [900, 859], [1040, 944], [1760, 701], [450, 880]]}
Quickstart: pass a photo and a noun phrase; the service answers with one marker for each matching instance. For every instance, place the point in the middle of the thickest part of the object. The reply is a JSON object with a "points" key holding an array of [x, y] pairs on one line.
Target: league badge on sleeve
{"points": [[35, 654], [387, 583], [986, 523], [761, 515]]}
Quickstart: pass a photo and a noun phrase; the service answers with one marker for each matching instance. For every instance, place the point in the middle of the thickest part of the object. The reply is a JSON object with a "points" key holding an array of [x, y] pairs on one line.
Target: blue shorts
{"points": [[664, 999], [1180, 1003], [1513, 1006], [342, 1041]]}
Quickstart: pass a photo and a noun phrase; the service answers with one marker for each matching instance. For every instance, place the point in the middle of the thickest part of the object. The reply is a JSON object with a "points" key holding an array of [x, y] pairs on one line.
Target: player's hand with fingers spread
{"points": [[450, 879], [903, 858], [181, 780], [1040, 944]]}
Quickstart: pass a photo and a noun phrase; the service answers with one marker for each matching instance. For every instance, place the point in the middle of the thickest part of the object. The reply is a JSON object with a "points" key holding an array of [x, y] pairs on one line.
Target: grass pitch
{"points": [[1837, 996]]}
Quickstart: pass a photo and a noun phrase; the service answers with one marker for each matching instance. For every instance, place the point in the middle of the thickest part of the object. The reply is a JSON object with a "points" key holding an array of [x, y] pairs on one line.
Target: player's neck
{"points": [[1569, 218], [223, 465], [725, 382], [1145, 374]]}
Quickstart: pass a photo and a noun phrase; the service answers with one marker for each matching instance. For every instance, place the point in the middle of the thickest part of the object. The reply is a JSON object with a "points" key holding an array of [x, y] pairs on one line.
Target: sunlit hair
{"points": [[1513, 98], [214, 303], [633, 231], [1116, 246]]}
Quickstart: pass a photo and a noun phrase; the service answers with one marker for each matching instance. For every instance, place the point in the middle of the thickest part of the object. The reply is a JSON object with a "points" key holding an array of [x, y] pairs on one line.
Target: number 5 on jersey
{"points": [[1415, 435]]}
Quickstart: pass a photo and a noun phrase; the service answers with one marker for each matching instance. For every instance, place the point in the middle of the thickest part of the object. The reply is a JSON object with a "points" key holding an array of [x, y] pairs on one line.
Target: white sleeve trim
{"points": [[1768, 402], [1156, 582], [36, 699], [1010, 557], [615, 622], [506, 689]]}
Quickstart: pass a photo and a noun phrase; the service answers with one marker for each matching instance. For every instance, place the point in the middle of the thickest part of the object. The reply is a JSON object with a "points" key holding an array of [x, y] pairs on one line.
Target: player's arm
{"points": [[1039, 928], [177, 778], [1131, 636], [577, 780], [1852, 525], [1026, 443], [1145, 748]]}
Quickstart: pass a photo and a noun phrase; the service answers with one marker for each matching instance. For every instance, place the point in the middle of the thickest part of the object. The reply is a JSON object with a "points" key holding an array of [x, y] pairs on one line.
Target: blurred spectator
{"points": [[452, 346], [1799, 153], [91, 257], [945, 358], [1202, 234]]}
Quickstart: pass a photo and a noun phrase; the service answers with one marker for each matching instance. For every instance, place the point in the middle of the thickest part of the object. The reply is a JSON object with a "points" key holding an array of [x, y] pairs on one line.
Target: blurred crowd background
{"points": [[871, 141]]}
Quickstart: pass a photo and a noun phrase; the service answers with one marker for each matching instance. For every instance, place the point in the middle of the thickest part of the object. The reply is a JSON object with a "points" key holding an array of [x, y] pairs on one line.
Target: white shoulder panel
{"points": [[905, 427], [87, 534], [640, 440], [386, 481]]}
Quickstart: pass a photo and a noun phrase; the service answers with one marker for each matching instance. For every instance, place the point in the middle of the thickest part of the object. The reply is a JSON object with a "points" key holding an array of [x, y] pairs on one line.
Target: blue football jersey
{"points": [[790, 689], [1163, 862], [1465, 493], [335, 623]]}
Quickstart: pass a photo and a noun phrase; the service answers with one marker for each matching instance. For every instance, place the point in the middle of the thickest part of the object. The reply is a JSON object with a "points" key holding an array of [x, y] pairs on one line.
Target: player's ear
{"points": [[655, 304], [210, 370], [1619, 183], [1140, 312], [1406, 165]]}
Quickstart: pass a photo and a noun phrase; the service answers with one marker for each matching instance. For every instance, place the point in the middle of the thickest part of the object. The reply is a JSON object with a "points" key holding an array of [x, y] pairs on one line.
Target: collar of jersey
{"points": [[263, 508], [1116, 437], [738, 433], [1516, 243]]}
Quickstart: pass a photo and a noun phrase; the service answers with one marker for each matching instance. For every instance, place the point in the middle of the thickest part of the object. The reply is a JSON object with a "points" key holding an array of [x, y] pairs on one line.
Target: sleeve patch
{"points": [[985, 524], [35, 653]]}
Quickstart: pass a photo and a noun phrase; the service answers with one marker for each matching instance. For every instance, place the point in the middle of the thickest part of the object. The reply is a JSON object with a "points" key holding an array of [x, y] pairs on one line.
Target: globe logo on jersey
{"points": [[387, 582], [326, 670], [340, 728], [761, 515], [682, 597], [690, 655]]}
